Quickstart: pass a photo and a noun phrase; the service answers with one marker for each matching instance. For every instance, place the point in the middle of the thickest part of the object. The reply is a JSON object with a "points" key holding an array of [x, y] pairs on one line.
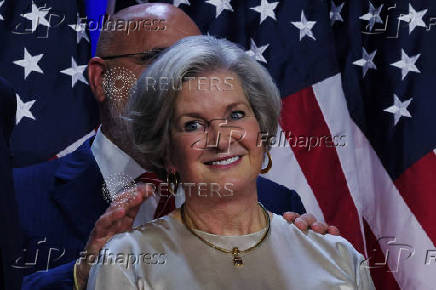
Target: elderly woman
{"points": [[197, 113]]}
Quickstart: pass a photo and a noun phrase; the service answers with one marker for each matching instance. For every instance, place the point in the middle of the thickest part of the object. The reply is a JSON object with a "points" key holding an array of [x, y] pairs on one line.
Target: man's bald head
{"points": [[117, 43], [173, 25]]}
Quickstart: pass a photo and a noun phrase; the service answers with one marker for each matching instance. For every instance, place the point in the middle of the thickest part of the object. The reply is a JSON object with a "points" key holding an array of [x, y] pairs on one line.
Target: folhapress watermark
{"points": [[125, 259], [287, 139]]}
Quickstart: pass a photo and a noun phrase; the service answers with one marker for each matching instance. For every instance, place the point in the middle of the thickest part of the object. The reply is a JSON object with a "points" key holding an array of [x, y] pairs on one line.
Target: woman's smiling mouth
{"points": [[224, 162]]}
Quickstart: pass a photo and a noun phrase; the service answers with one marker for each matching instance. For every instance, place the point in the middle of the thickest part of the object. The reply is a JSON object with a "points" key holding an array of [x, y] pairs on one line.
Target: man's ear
{"points": [[96, 69]]}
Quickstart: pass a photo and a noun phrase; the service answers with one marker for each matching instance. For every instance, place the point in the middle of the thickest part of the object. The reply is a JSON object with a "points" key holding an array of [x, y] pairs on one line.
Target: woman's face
{"points": [[214, 134]]}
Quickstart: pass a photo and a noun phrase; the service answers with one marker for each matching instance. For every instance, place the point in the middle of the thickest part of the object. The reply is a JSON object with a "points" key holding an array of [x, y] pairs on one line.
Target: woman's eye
{"points": [[236, 115], [192, 126]]}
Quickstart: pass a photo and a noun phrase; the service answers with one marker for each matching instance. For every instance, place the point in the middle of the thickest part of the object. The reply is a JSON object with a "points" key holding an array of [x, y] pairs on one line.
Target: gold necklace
{"points": [[237, 259]]}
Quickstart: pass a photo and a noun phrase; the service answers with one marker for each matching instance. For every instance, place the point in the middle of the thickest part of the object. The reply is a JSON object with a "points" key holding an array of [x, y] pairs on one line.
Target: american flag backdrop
{"points": [[44, 54], [357, 79]]}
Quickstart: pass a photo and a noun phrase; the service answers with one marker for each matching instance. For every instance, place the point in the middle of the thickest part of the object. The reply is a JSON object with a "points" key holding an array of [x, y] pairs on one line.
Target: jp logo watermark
{"points": [[390, 20], [220, 140], [395, 254], [42, 257], [43, 16]]}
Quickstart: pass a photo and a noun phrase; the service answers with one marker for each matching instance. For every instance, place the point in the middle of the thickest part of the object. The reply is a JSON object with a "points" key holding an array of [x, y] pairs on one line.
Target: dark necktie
{"points": [[166, 201]]}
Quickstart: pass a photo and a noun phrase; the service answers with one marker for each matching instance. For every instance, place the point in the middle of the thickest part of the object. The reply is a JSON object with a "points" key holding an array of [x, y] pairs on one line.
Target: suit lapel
{"points": [[78, 190]]}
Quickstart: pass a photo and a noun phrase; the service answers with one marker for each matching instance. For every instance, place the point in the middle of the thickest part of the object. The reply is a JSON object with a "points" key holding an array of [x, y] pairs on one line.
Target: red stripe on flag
{"points": [[302, 118], [380, 272], [417, 185]]}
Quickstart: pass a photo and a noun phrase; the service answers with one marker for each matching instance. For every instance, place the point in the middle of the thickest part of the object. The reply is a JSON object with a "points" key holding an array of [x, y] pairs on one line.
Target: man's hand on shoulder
{"points": [[308, 221], [118, 218]]}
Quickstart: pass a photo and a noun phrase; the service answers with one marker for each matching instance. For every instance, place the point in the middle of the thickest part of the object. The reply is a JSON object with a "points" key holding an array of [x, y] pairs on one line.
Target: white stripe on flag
{"points": [[75, 145], [374, 193]]}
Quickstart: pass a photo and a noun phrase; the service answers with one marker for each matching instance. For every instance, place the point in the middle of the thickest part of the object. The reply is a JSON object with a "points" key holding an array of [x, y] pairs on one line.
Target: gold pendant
{"points": [[237, 260]]}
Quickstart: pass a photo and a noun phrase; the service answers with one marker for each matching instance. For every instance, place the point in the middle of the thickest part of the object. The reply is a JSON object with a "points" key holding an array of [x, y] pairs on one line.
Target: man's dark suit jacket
{"points": [[10, 243], [61, 200]]}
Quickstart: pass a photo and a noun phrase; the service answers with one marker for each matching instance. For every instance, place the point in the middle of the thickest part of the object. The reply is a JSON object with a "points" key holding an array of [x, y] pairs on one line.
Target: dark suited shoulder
{"points": [[11, 245], [278, 198], [59, 202], [32, 185]]}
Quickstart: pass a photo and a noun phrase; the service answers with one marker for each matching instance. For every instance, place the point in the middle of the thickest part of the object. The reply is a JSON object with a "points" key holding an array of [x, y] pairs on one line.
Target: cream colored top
{"points": [[163, 254]]}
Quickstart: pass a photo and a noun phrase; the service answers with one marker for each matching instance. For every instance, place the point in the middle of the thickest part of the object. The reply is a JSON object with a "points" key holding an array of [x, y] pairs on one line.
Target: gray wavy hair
{"points": [[150, 110]]}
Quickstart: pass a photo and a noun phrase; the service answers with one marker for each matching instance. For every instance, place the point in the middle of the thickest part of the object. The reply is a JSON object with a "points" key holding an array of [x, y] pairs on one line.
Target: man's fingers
{"points": [[290, 216], [105, 224], [106, 220], [132, 212], [119, 216], [308, 218], [133, 207], [122, 197], [121, 226], [126, 225], [319, 227], [333, 231], [146, 189], [133, 197], [301, 224], [308, 221]]}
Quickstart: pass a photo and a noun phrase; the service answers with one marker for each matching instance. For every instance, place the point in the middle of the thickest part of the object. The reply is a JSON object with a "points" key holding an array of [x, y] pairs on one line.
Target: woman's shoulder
{"points": [[336, 247], [333, 254]]}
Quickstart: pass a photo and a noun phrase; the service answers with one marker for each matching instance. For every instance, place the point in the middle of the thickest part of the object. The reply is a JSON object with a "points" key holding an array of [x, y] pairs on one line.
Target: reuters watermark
{"points": [[202, 83], [200, 189], [287, 139], [120, 189]]}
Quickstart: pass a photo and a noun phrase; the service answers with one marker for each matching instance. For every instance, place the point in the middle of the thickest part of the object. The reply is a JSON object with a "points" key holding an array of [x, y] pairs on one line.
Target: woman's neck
{"points": [[232, 217]]}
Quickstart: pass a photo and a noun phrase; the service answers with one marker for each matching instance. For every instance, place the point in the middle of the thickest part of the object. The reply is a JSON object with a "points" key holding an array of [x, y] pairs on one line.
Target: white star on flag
{"points": [[335, 13], [177, 3], [1, 4], [373, 16], [399, 109], [257, 52], [23, 110], [305, 27], [29, 63], [266, 10], [414, 18], [367, 61], [220, 5], [37, 16], [407, 64], [76, 72], [80, 28]]}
